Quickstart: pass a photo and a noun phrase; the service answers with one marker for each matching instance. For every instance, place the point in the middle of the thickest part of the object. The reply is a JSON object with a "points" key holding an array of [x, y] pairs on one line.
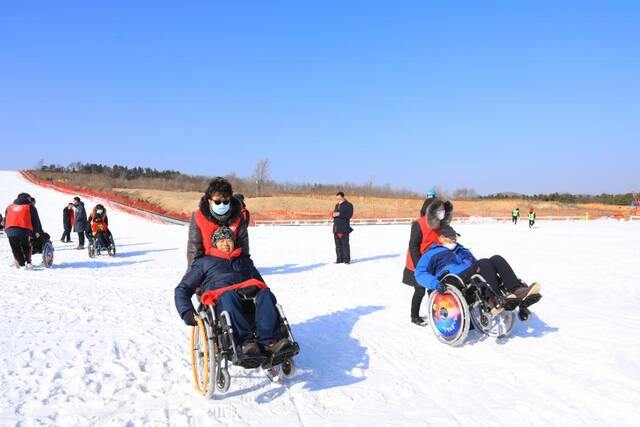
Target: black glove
{"points": [[189, 318], [441, 287]]}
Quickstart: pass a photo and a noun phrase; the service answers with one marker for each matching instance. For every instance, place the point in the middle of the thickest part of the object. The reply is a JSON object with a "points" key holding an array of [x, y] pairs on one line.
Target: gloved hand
{"points": [[189, 318], [441, 287]]}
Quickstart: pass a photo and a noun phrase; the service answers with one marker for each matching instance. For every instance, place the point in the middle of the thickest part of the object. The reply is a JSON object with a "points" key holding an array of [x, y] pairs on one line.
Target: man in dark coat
{"points": [[67, 223], [22, 224], [218, 207], [226, 267], [81, 225], [342, 214]]}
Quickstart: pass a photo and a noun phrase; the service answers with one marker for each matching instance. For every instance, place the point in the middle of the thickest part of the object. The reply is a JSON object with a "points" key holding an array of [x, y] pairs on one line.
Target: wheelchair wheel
{"points": [[47, 254], [449, 316], [203, 359], [496, 327]]}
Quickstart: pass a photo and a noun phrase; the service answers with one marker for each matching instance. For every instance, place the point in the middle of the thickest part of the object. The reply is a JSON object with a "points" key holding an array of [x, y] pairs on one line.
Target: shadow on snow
{"points": [[289, 268]]}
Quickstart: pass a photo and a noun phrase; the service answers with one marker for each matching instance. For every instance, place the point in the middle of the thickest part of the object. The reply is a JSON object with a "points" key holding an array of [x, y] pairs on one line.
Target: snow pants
{"points": [[493, 270], [266, 317], [66, 235]]}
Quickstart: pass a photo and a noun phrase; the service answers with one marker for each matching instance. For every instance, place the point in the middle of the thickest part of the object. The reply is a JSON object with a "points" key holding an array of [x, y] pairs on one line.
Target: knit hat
{"points": [[448, 232], [221, 233]]}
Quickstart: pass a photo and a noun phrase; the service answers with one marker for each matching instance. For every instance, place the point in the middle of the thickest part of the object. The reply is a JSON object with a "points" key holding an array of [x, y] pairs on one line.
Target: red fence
{"points": [[135, 207]]}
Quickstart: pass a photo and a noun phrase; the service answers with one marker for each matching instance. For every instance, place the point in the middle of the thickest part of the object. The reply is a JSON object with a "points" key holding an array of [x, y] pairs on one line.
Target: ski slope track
{"points": [[98, 341]]}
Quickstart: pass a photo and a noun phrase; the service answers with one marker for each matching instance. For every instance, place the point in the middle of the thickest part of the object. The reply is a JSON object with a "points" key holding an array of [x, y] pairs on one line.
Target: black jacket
{"points": [[81, 224], [195, 249], [341, 223], [35, 220], [66, 218], [211, 273], [429, 208]]}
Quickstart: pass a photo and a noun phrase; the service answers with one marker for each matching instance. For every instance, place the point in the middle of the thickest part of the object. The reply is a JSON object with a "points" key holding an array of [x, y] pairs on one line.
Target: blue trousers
{"points": [[267, 318]]}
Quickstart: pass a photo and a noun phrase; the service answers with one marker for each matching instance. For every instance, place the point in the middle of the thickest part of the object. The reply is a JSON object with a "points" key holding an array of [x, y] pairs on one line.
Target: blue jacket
{"points": [[211, 273], [80, 225], [438, 260]]}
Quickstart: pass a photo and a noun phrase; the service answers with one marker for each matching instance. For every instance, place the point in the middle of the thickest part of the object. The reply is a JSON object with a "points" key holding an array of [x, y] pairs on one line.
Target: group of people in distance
{"points": [[434, 251], [24, 229], [531, 216]]}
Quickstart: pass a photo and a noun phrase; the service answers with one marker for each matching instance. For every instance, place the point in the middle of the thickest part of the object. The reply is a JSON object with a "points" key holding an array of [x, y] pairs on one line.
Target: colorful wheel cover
{"points": [[446, 314]]}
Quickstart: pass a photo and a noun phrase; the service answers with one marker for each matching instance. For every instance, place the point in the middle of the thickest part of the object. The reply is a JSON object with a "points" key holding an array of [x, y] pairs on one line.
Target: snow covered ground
{"points": [[98, 342]]}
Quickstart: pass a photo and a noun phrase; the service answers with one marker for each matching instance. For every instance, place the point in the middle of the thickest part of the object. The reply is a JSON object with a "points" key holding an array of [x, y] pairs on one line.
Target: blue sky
{"points": [[525, 96]]}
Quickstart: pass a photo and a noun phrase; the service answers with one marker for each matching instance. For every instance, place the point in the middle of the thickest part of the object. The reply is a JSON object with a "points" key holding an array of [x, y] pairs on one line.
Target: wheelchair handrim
{"points": [[200, 364], [449, 316]]}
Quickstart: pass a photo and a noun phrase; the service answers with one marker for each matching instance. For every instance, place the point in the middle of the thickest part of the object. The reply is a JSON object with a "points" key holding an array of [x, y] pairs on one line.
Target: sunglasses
{"points": [[224, 202]]}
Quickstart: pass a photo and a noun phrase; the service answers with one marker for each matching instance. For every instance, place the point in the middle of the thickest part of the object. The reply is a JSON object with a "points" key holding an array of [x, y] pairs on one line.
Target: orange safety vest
{"points": [[429, 237], [18, 216], [208, 227], [99, 224]]}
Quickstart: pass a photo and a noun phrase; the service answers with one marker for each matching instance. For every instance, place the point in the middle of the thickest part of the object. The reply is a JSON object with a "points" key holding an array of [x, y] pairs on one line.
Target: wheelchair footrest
{"points": [[281, 356], [250, 362]]}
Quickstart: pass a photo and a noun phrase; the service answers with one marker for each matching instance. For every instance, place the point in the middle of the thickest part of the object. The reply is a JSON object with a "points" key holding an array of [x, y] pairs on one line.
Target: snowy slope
{"points": [[99, 342]]}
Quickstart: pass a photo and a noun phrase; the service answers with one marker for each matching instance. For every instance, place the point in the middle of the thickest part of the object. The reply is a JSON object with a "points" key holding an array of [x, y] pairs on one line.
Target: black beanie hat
{"points": [[448, 232], [223, 232]]}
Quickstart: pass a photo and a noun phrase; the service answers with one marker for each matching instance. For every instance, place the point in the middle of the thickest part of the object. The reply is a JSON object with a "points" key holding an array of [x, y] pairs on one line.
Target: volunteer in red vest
{"points": [[435, 213], [217, 208], [22, 223]]}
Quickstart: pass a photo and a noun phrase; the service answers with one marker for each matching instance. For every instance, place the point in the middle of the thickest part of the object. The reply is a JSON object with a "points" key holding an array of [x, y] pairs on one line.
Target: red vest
{"points": [[429, 236], [99, 224], [207, 228], [18, 216]]}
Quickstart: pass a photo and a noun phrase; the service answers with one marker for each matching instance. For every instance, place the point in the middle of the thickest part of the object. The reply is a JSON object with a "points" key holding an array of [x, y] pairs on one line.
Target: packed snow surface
{"points": [[99, 342]]}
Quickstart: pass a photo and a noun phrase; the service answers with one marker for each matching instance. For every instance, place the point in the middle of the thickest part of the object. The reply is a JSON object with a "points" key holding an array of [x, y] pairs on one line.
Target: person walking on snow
{"points": [[22, 223], [67, 223], [434, 214], [515, 215], [342, 214], [80, 225], [532, 217]]}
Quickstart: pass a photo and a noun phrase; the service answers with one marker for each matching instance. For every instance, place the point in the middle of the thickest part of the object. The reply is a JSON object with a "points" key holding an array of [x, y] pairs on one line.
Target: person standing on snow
{"points": [[342, 213], [22, 223], [515, 215], [80, 225], [532, 217], [434, 214], [67, 223]]}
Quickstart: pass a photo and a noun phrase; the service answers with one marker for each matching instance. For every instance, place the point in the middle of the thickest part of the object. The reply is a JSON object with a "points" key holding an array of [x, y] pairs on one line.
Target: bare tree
{"points": [[261, 174], [464, 194]]}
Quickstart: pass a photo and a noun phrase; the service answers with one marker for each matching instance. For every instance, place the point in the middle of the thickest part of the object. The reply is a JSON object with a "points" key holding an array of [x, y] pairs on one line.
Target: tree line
{"points": [[568, 198]]}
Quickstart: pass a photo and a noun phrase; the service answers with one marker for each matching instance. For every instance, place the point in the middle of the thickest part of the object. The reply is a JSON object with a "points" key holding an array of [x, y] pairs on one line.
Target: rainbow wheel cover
{"points": [[449, 316]]}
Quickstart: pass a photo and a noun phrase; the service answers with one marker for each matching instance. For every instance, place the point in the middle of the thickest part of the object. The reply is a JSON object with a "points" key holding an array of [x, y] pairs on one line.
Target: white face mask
{"points": [[219, 209], [450, 246], [99, 211], [440, 214]]}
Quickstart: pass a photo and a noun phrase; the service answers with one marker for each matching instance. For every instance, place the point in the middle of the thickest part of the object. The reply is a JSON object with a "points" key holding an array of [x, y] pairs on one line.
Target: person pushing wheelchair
{"points": [[232, 277], [451, 257]]}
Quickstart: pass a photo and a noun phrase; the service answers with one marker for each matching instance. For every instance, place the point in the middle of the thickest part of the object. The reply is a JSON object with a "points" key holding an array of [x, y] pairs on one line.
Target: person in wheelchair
{"points": [[99, 226], [451, 257], [231, 274]]}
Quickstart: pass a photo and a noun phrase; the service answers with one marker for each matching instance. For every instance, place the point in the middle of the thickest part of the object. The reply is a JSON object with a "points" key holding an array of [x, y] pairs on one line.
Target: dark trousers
{"points": [[531, 222], [493, 270], [514, 219], [267, 318], [21, 248], [343, 250], [66, 235], [103, 238], [418, 295], [80, 238]]}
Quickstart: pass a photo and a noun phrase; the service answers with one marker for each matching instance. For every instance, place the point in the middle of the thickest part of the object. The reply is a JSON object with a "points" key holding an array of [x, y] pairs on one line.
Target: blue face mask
{"points": [[219, 209]]}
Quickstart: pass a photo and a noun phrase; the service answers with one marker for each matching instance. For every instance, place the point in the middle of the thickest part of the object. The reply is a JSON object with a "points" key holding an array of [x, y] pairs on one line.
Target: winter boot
{"points": [[420, 321], [532, 295]]}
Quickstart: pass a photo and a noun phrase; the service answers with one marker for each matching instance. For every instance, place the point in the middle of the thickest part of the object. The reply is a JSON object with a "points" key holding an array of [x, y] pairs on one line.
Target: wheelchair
{"points": [[213, 349], [42, 245], [463, 305], [96, 247]]}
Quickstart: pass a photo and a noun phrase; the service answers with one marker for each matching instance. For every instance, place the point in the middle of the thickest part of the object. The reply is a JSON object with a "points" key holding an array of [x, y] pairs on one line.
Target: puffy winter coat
{"points": [[67, 218], [211, 273], [197, 234], [438, 260], [80, 225], [424, 233], [341, 223], [26, 222]]}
